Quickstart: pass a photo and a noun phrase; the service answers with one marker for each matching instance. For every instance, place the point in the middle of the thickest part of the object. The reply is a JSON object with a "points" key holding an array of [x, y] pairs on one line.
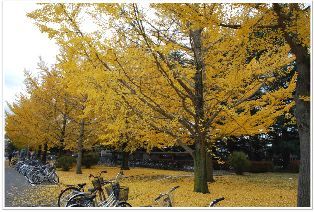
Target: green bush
{"points": [[90, 159], [65, 162], [239, 162], [294, 166], [261, 166]]}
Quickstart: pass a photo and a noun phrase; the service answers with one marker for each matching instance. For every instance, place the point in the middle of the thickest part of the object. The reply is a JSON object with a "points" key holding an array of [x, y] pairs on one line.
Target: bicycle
{"points": [[72, 190], [117, 196], [44, 173], [164, 199]]}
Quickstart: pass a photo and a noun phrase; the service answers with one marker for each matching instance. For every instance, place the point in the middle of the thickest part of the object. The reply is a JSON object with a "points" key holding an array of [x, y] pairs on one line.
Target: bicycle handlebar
{"points": [[174, 188], [91, 175], [118, 177]]}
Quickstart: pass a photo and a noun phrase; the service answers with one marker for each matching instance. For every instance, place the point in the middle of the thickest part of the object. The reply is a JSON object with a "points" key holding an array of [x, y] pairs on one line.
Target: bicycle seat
{"points": [[81, 185]]}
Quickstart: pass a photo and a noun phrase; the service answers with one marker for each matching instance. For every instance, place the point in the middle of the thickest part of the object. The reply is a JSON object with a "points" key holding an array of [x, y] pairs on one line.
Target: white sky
{"points": [[23, 43]]}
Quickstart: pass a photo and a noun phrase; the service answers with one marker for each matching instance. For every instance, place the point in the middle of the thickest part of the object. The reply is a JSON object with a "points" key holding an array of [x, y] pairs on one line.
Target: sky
{"points": [[23, 44]]}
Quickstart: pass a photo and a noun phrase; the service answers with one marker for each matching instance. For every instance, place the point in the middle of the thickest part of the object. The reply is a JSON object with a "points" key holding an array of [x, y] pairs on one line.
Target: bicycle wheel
{"points": [[65, 195], [124, 204], [80, 200], [30, 173], [76, 205]]}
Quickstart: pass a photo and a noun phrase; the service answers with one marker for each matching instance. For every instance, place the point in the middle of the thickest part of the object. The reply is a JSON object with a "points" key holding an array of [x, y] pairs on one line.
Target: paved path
{"points": [[15, 183]]}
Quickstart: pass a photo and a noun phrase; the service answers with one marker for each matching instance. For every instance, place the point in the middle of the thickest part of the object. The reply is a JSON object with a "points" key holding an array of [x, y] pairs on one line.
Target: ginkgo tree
{"points": [[75, 82], [47, 90], [112, 122], [30, 123], [70, 101], [288, 24], [48, 115], [186, 77]]}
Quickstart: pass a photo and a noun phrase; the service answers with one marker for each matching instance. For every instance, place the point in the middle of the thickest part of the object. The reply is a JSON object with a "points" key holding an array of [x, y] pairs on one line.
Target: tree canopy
{"points": [[160, 75]]}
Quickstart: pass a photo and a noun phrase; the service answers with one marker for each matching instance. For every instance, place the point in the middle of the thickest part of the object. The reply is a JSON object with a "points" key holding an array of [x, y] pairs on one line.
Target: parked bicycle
{"points": [[71, 190], [117, 195], [43, 173], [37, 173]]}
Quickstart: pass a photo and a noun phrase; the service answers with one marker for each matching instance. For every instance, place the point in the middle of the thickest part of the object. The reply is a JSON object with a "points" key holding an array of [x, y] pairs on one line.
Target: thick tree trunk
{"points": [[125, 161], [302, 114], [80, 148], [209, 168], [44, 155], [200, 174]]}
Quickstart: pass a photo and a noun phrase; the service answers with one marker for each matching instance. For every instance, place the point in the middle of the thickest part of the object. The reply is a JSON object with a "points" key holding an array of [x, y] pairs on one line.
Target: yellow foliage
{"points": [[177, 70]]}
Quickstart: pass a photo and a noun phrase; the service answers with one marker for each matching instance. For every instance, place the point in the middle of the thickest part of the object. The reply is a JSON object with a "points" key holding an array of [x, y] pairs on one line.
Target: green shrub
{"points": [[261, 166], [65, 162], [239, 162], [294, 166], [90, 159]]}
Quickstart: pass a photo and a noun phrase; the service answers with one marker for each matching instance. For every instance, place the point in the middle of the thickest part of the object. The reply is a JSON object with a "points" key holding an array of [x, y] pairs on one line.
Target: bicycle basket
{"points": [[123, 192]]}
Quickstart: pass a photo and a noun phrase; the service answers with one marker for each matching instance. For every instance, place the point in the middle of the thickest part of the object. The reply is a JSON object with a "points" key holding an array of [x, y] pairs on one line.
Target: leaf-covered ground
{"points": [[250, 190]]}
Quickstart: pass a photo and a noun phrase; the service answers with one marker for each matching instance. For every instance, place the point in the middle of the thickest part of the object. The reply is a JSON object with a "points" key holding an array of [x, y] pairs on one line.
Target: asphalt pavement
{"points": [[15, 184]]}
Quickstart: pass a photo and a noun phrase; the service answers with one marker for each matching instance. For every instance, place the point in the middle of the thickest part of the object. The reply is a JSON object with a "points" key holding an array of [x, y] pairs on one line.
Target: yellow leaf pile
{"points": [[250, 190]]}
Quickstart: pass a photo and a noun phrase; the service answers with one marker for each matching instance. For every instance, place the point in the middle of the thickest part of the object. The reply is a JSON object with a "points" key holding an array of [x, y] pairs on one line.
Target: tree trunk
{"points": [[209, 168], [39, 152], [302, 114], [114, 158], [80, 148], [125, 161], [200, 174], [62, 135], [44, 156]]}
